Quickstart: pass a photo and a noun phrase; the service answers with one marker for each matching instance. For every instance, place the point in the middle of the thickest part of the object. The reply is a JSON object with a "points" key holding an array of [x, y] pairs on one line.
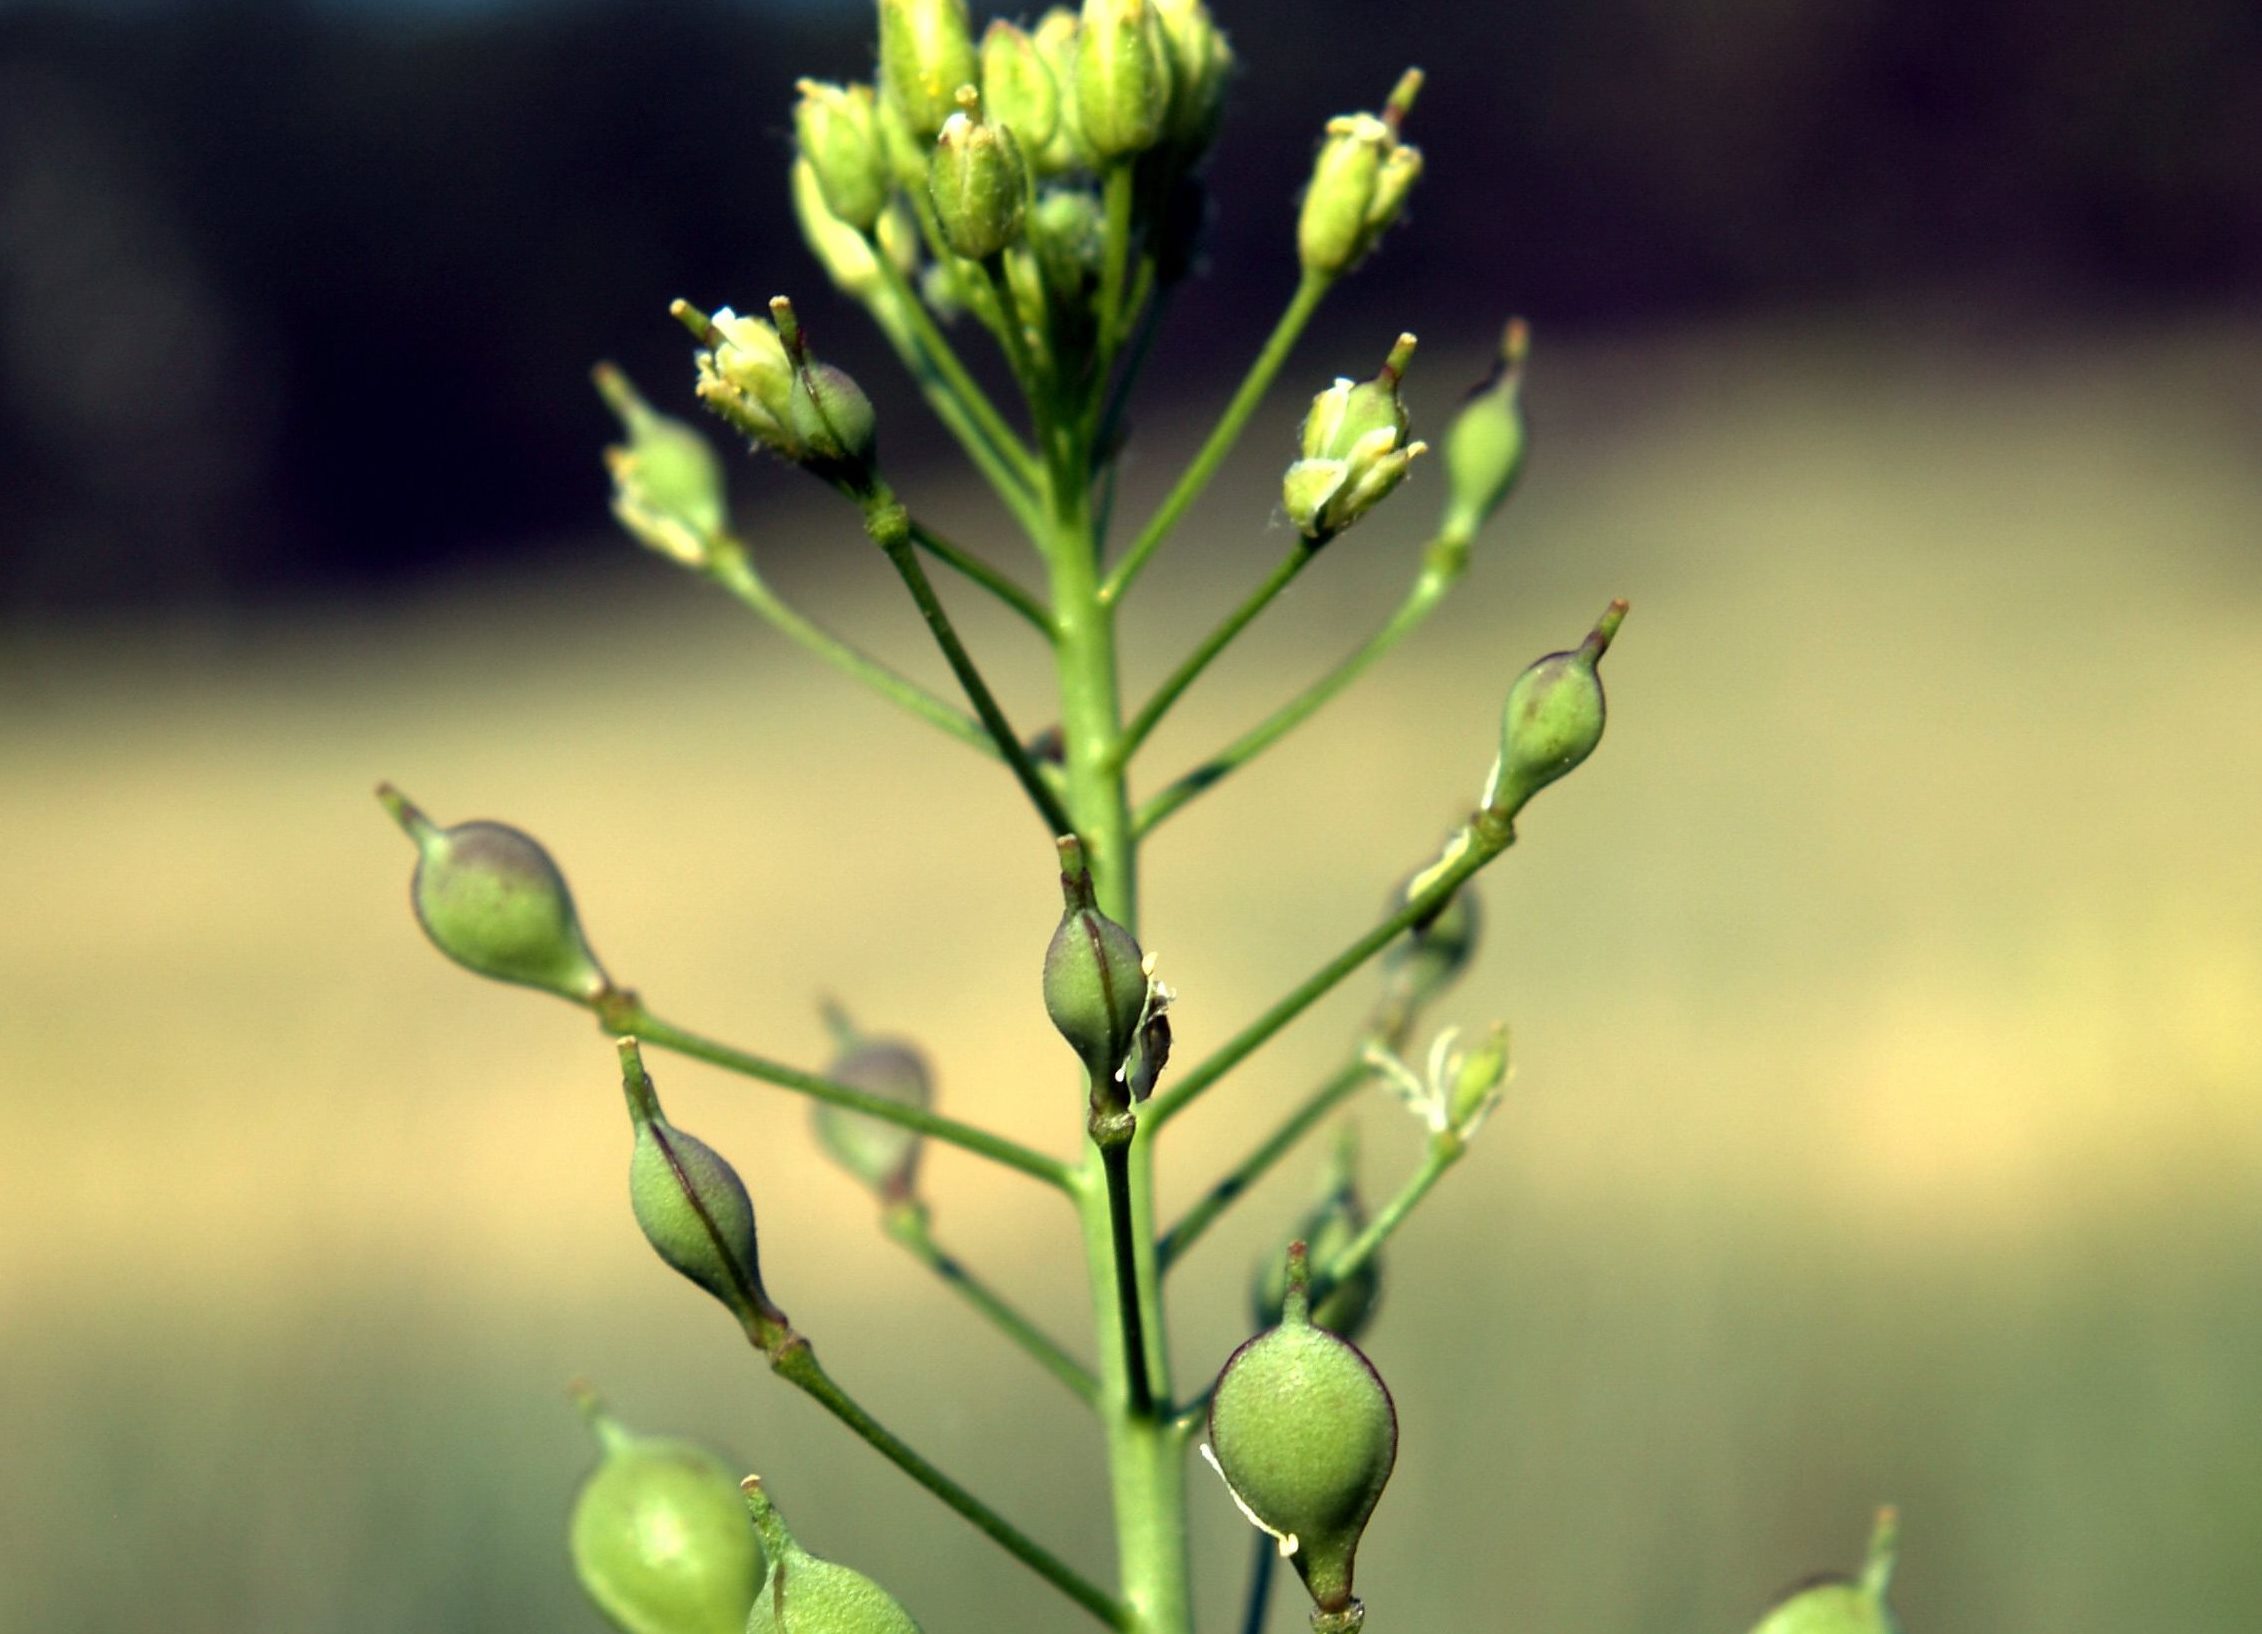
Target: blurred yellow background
{"points": [[1887, 996]]}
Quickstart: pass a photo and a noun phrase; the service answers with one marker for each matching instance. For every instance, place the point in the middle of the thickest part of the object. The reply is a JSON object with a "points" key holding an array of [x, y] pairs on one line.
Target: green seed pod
{"points": [[979, 183], [1018, 89], [667, 483], [832, 421], [805, 1595], [1835, 1604], [1304, 1432], [837, 129], [926, 54], [693, 1208], [885, 1156], [1484, 452], [1429, 958], [1553, 718], [1095, 975], [491, 899], [1359, 184], [1122, 78], [1329, 1227], [660, 1537]]}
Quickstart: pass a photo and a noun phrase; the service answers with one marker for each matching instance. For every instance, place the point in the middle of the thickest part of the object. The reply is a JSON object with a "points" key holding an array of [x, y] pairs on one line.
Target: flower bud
{"points": [[1359, 183], [1431, 956], [1055, 39], [1200, 63], [1477, 1077], [885, 1156], [1833, 1604], [926, 54], [1553, 718], [1354, 451], [491, 899], [844, 253], [660, 1537], [1068, 233], [805, 1595], [1122, 78], [744, 374], [1484, 452], [1328, 1228], [979, 182], [667, 483], [1095, 975], [1018, 90], [838, 132], [1304, 1433], [693, 1208]]}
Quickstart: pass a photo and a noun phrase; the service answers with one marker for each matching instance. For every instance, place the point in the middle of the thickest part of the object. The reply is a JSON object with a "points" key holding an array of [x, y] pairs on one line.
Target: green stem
{"points": [[890, 527], [1437, 577], [1261, 1561], [731, 567], [999, 584], [797, 1363], [1485, 839], [1214, 643], [1119, 190], [1299, 1123], [1139, 1394], [946, 363], [624, 1014], [1444, 1151], [908, 1224], [1310, 290]]}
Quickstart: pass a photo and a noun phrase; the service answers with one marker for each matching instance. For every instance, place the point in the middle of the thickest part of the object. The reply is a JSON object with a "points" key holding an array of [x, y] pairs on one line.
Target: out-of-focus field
{"points": [[1887, 992]]}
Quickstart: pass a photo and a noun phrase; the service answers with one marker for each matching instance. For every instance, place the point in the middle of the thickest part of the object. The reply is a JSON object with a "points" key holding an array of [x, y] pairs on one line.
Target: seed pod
{"points": [[832, 421], [805, 1595], [491, 899], [1553, 718], [979, 183], [660, 1537], [1304, 1432], [1835, 1604], [693, 1208], [1484, 451], [1122, 78], [1329, 1227], [926, 54], [885, 1156], [1095, 977]]}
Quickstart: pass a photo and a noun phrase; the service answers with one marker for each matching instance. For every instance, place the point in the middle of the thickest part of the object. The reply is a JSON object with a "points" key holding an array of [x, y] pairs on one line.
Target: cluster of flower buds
{"points": [[1553, 718], [491, 899], [883, 1155], [1303, 1430], [802, 1594], [660, 1537], [1354, 451], [757, 374], [1359, 184]]}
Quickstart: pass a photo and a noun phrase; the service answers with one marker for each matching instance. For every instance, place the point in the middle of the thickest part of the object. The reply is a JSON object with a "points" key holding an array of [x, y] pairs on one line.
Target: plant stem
{"points": [[1139, 1391], [1261, 1560], [1214, 643], [908, 1224], [731, 568], [1442, 569], [999, 584], [624, 1015], [1310, 290], [946, 363], [1444, 1151], [1118, 191], [890, 526], [1485, 839], [1204, 1214], [797, 1363]]}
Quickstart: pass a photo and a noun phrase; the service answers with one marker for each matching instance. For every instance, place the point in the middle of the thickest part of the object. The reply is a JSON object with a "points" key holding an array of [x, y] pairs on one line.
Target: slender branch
{"points": [[1484, 840], [1119, 198], [908, 1224], [999, 584], [1261, 1560], [1444, 1151], [731, 568], [798, 1365], [624, 1014], [1116, 1158], [1299, 1123], [1214, 643], [1309, 292], [1437, 577], [889, 525], [946, 362]]}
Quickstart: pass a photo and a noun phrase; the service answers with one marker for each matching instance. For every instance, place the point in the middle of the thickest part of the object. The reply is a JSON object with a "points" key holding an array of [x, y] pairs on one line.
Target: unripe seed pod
{"points": [[805, 1595], [660, 1537], [1835, 1604], [926, 54], [491, 899], [979, 183], [1095, 976], [1553, 718], [1304, 1432], [885, 1156], [1484, 451], [1122, 78], [832, 420]]}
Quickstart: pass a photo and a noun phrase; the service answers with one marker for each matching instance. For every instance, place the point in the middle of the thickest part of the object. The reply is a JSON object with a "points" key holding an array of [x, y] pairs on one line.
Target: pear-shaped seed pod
{"points": [[491, 899], [805, 1595], [1095, 979], [1554, 716], [885, 1156], [660, 1537], [1304, 1432], [1833, 1605]]}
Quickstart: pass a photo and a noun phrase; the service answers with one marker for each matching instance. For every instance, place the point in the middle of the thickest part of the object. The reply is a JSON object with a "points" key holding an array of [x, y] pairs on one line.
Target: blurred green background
{"points": [[1885, 994]]}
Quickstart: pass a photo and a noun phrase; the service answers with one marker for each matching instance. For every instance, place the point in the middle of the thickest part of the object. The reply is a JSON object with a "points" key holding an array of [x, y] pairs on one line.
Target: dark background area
{"points": [[299, 298]]}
